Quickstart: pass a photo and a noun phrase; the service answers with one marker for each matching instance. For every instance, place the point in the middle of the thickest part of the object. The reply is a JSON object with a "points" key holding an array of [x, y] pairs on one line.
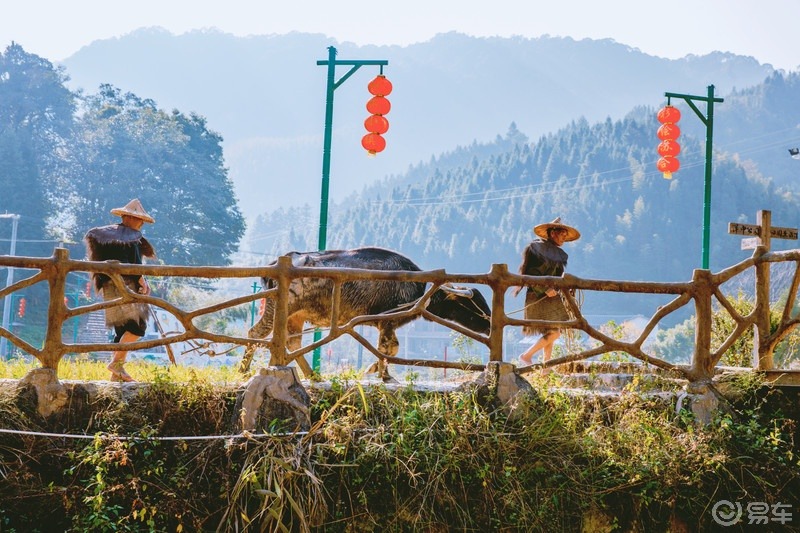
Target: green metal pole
{"points": [[253, 306], [75, 321], [707, 180], [708, 121], [331, 86], [326, 150], [322, 241]]}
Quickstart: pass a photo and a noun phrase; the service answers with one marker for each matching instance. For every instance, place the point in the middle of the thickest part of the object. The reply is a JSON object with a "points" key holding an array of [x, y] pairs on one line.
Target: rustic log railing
{"points": [[702, 290]]}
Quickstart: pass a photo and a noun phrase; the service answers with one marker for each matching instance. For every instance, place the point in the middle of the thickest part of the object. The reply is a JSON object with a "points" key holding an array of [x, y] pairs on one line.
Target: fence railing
{"points": [[703, 289]]}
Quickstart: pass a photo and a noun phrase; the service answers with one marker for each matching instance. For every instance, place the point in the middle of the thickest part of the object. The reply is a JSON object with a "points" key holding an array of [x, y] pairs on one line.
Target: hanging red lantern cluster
{"points": [[376, 124], [669, 148]]}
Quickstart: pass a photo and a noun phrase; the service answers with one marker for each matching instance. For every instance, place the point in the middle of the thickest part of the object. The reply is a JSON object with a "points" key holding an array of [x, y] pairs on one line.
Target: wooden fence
{"points": [[702, 290]]}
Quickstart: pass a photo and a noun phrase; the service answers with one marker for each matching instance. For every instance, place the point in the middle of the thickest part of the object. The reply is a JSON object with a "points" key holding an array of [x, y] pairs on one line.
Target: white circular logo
{"points": [[726, 513]]}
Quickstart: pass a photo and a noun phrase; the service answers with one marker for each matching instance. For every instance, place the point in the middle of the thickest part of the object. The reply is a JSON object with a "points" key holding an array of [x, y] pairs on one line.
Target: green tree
{"points": [[128, 148], [36, 117]]}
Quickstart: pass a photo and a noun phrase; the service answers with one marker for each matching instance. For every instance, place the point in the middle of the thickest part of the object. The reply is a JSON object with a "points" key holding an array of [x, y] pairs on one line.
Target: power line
{"points": [[463, 198]]}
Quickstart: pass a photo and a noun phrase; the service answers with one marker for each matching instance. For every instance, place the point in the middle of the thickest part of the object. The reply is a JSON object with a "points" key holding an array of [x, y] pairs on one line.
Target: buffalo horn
{"points": [[460, 291]]}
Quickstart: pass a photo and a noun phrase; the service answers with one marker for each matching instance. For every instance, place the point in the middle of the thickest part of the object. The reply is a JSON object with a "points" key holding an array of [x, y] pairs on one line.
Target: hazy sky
{"points": [[764, 29]]}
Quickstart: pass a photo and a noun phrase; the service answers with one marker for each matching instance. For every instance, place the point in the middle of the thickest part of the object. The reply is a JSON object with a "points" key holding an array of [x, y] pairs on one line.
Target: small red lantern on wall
{"points": [[669, 148], [376, 124]]}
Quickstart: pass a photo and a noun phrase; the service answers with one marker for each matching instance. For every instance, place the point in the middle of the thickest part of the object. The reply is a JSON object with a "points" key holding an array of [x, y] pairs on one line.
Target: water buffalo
{"points": [[310, 300]]}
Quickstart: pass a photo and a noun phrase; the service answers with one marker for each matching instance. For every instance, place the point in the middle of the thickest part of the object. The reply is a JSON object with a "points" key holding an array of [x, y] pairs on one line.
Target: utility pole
{"points": [[332, 85], [708, 121], [9, 281]]}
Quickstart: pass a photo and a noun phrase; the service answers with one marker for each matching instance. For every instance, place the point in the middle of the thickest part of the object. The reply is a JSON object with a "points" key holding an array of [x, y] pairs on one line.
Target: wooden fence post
{"points": [[702, 365], [762, 347], [53, 348], [498, 272], [277, 347]]}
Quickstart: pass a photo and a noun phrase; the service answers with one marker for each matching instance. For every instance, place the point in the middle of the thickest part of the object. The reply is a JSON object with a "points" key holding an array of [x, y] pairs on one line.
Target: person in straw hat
{"points": [[125, 243], [545, 257]]}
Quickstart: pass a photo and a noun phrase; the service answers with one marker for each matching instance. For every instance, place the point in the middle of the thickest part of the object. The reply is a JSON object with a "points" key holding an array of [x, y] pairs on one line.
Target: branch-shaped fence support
{"points": [[702, 289]]}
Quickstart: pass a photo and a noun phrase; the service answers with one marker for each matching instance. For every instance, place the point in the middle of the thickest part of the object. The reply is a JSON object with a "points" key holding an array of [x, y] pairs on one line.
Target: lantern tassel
{"points": [[667, 175]]}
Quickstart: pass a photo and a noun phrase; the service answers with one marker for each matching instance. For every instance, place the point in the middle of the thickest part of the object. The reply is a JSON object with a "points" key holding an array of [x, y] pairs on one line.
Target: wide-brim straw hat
{"points": [[135, 209], [572, 233]]}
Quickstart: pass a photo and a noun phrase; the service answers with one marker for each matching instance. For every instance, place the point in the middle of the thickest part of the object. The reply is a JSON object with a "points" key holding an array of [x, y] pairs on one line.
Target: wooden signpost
{"points": [[761, 234]]}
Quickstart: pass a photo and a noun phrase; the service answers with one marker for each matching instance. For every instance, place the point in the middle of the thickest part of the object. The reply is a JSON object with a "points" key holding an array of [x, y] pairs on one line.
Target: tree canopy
{"points": [[67, 159], [36, 119]]}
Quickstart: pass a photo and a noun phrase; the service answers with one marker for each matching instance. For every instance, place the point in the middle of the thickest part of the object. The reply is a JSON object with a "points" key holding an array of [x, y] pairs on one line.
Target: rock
{"points": [[58, 403], [499, 386], [701, 399], [275, 393]]}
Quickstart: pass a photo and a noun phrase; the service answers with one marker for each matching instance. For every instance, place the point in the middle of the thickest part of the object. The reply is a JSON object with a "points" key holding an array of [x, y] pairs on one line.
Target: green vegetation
{"points": [[383, 460], [69, 158], [676, 343]]}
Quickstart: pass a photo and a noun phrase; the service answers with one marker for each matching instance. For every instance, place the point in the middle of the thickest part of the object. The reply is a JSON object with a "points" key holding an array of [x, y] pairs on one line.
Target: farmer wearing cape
{"points": [[125, 243], [544, 257]]}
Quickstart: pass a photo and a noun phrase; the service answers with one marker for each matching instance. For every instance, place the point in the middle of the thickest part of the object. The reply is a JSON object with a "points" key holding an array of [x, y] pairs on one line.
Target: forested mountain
{"points": [[67, 159], [600, 177], [265, 95]]}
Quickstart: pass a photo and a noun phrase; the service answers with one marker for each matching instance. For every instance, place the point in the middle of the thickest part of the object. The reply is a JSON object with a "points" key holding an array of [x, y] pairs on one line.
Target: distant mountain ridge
{"points": [[477, 205], [265, 96]]}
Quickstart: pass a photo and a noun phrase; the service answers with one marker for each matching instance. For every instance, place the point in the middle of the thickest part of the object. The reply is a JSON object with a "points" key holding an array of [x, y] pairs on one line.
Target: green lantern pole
{"points": [[332, 85], [708, 121], [256, 288]]}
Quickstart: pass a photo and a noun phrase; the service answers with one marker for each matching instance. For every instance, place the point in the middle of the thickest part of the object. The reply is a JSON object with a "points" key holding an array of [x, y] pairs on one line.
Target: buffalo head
{"points": [[464, 306]]}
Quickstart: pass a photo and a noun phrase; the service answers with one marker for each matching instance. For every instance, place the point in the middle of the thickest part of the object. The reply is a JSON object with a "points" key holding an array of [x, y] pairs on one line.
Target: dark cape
{"points": [[124, 244], [543, 258]]}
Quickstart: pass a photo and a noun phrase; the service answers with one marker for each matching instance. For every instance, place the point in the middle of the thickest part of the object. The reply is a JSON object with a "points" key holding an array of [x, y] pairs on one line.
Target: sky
{"points": [[765, 29]]}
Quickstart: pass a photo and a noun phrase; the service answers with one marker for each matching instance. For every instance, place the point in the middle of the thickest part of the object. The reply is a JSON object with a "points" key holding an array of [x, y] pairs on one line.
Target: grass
{"points": [[82, 368], [388, 460]]}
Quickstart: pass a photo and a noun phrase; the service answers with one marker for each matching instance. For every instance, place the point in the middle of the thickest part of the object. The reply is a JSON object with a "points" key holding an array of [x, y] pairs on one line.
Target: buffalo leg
{"points": [[260, 330], [389, 345], [295, 332]]}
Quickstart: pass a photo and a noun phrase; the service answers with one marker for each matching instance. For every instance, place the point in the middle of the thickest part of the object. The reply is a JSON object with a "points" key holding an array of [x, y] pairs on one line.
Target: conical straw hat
{"points": [[133, 209], [572, 233]]}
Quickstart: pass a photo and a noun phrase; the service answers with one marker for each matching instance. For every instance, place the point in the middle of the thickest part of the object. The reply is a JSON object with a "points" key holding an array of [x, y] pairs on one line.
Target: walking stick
{"points": [[161, 332]]}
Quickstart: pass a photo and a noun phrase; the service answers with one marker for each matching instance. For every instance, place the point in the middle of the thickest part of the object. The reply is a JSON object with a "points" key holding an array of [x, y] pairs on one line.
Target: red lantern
{"points": [[21, 309], [380, 86], [668, 165], [669, 148], [378, 105], [376, 124], [668, 132], [669, 115], [373, 143]]}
